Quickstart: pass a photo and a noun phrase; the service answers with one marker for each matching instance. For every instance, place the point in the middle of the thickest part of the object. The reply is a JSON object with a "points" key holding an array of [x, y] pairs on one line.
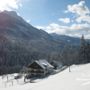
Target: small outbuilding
{"points": [[40, 68]]}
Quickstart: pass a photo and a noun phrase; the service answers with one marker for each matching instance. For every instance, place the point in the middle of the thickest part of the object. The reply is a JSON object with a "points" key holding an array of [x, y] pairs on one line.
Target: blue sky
{"points": [[69, 17], [44, 12]]}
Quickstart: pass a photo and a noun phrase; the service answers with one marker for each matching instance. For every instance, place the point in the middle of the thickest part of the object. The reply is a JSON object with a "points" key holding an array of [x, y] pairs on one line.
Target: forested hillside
{"points": [[21, 43]]}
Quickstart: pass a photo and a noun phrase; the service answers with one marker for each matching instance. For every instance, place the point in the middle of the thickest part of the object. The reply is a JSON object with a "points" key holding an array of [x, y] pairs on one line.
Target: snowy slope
{"points": [[77, 79]]}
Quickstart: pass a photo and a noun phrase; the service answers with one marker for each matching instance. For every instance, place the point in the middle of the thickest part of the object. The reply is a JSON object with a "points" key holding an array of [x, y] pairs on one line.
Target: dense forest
{"points": [[14, 57]]}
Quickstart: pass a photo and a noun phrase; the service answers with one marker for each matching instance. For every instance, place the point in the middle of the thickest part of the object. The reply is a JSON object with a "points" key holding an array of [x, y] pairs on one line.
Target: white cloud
{"points": [[40, 27], [54, 28], [65, 20], [72, 30], [28, 21], [79, 9], [9, 4], [85, 18], [79, 26]]}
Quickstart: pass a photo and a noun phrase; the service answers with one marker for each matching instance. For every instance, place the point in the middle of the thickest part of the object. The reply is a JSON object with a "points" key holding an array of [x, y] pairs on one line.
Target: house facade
{"points": [[40, 68]]}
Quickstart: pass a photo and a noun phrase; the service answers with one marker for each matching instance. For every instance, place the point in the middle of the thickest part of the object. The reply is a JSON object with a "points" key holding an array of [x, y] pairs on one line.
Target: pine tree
{"points": [[84, 52]]}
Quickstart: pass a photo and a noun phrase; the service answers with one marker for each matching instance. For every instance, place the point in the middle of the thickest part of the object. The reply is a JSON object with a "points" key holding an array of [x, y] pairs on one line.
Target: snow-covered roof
{"points": [[44, 63]]}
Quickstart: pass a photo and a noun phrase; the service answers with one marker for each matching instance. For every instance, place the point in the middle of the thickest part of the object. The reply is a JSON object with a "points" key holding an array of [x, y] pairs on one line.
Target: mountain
{"points": [[15, 29], [66, 39], [21, 43]]}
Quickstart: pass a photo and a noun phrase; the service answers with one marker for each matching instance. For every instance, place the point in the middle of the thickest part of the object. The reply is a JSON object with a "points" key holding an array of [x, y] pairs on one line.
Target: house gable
{"points": [[35, 65]]}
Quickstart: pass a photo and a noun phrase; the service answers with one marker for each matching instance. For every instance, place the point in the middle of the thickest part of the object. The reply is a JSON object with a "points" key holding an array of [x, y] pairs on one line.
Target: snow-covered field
{"points": [[77, 79]]}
